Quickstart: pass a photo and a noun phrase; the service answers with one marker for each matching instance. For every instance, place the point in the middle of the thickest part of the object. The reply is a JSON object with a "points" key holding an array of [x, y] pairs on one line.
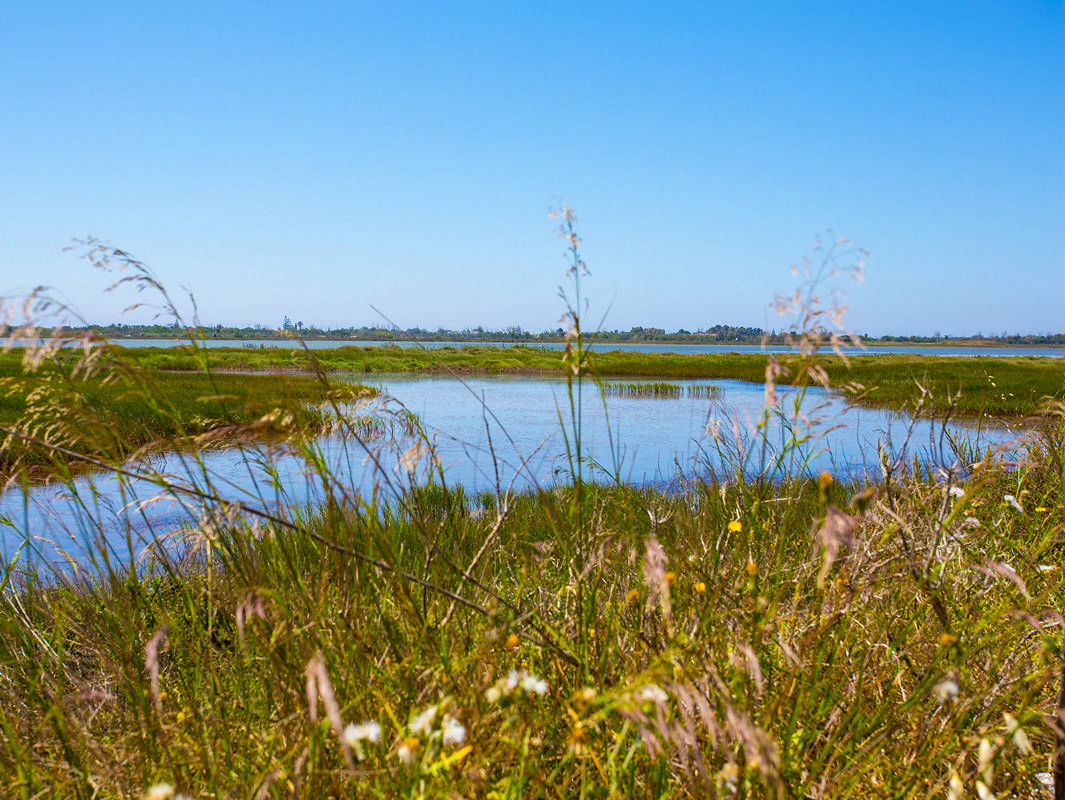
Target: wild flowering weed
{"points": [[359, 736]]}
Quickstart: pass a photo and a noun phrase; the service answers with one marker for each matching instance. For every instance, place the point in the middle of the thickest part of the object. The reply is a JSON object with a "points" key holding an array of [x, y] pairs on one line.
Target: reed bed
{"points": [[658, 390], [757, 634], [703, 392]]}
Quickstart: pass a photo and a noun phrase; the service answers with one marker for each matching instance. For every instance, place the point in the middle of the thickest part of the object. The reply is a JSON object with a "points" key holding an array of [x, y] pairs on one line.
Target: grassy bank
{"points": [[983, 385], [113, 407]]}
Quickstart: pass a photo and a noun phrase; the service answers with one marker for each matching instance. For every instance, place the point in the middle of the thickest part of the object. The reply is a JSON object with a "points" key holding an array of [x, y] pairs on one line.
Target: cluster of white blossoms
{"points": [[429, 726], [651, 693], [426, 731], [947, 690], [516, 680], [957, 491], [164, 791], [1011, 501], [356, 735], [451, 730]]}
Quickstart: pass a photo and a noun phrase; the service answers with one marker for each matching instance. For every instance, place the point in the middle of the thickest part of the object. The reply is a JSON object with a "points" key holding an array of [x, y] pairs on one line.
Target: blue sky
{"points": [[313, 159]]}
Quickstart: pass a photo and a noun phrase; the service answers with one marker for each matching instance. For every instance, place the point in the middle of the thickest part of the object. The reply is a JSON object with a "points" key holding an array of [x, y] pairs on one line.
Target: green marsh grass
{"points": [[133, 408], [771, 636], [985, 385]]}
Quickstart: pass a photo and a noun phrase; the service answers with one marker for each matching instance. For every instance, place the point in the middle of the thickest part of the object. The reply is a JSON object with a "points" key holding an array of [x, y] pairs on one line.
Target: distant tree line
{"points": [[715, 334], [979, 338]]}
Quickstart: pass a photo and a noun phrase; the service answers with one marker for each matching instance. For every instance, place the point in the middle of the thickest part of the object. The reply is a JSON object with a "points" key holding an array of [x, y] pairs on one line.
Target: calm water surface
{"points": [[488, 432]]}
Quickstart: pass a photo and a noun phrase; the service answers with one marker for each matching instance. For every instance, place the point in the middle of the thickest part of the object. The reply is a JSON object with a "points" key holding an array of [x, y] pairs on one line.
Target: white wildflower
{"points": [[1016, 732], [454, 731], [533, 685], [366, 732], [957, 491], [985, 764], [955, 789], [164, 791], [422, 724], [946, 691], [516, 679], [408, 752], [355, 735], [1011, 501], [652, 694]]}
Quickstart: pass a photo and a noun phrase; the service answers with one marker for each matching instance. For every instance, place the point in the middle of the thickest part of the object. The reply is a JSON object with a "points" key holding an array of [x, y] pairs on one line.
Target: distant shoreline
{"points": [[536, 341], [716, 336]]}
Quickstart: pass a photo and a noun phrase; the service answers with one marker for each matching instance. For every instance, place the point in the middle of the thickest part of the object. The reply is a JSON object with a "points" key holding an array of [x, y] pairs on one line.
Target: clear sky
{"points": [[311, 159]]}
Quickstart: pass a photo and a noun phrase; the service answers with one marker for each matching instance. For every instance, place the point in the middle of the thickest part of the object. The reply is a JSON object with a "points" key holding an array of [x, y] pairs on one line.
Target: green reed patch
{"points": [[658, 390]]}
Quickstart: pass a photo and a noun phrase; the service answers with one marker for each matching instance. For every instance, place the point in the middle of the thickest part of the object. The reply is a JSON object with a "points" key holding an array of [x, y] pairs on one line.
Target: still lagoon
{"points": [[491, 433]]}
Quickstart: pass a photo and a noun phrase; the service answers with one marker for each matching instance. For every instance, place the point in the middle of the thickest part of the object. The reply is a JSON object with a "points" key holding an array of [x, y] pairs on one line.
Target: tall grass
{"points": [[752, 633]]}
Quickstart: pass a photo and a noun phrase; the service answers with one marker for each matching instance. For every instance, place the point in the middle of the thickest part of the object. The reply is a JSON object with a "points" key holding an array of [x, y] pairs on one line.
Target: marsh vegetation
{"points": [[776, 634], [983, 385]]}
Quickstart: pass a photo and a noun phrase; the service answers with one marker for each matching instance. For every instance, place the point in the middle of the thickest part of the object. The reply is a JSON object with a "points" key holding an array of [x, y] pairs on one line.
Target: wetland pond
{"points": [[488, 433]]}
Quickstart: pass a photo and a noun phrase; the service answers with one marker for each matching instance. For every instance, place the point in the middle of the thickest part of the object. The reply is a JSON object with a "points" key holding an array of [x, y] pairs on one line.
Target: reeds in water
{"points": [[658, 390]]}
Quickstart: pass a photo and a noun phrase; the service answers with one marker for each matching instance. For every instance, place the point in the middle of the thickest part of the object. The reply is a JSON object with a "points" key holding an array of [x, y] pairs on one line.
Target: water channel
{"points": [[489, 434]]}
